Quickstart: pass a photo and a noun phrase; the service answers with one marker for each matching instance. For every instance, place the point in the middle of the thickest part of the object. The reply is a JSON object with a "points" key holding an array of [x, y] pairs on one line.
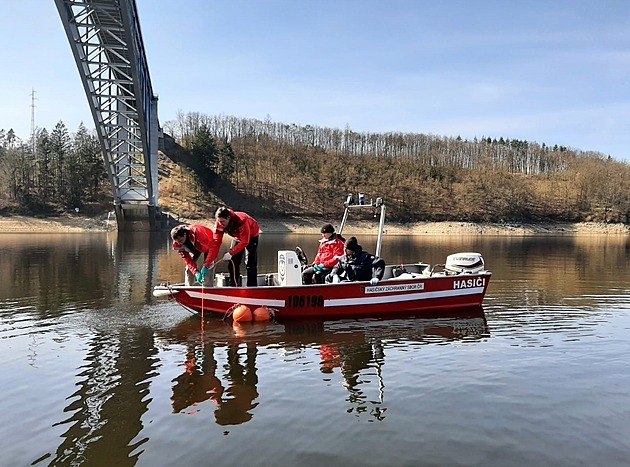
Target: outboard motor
{"points": [[464, 263]]}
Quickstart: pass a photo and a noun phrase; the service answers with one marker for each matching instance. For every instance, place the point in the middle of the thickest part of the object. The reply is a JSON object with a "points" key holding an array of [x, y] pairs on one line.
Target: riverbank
{"points": [[78, 224]]}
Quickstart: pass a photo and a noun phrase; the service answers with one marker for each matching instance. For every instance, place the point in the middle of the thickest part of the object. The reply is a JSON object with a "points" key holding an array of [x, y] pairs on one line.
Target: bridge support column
{"points": [[140, 218]]}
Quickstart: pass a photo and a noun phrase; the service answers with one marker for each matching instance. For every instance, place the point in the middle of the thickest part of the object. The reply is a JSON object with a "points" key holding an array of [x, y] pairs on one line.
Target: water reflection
{"points": [[199, 383], [111, 396], [78, 317], [354, 348], [60, 273]]}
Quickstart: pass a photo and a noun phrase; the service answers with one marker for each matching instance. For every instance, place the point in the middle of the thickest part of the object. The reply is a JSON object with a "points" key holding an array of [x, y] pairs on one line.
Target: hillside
{"points": [[180, 192], [275, 170], [274, 173]]}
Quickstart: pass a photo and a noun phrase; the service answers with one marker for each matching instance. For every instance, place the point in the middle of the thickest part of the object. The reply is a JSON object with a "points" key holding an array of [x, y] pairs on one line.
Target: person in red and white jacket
{"points": [[193, 241], [331, 248], [244, 230]]}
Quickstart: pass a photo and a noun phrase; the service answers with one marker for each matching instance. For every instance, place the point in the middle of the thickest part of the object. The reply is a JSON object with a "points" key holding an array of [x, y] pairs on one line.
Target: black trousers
{"points": [[309, 273], [251, 265]]}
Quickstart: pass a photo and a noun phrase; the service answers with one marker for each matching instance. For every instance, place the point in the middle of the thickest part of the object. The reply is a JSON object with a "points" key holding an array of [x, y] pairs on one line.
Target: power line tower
{"points": [[33, 121]]}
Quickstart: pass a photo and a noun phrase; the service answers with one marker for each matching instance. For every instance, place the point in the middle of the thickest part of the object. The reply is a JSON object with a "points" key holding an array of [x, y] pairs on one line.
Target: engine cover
{"points": [[464, 263]]}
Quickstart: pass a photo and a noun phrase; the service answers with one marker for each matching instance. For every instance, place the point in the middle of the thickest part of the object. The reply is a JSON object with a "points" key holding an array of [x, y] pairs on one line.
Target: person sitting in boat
{"points": [[193, 241], [357, 265], [331, 248], [245, 231]]}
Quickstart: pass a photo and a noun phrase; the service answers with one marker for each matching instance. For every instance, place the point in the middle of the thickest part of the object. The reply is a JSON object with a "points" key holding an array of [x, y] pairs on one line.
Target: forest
{"points": [[276, 169], [52, 172]]}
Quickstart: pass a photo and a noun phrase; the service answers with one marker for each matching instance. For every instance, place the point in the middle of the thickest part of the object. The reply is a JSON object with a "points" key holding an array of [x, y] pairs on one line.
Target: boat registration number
{"points": [[301, 301]]}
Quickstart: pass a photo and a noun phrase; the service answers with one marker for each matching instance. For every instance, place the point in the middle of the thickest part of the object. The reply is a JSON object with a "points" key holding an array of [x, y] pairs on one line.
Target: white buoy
{"points": [[163, 292]]}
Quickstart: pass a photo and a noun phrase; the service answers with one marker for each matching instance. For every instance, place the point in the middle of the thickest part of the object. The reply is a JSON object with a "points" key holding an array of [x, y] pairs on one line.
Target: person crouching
{"points": [[198, 246], [357, 265]]}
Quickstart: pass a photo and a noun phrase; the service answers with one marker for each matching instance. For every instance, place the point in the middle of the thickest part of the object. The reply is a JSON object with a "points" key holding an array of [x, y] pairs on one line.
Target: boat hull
{"points": [[392, 297]]}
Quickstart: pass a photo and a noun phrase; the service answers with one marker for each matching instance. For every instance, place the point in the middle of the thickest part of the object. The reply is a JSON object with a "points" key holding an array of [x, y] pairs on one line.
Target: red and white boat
{"points": [[410, 289]]}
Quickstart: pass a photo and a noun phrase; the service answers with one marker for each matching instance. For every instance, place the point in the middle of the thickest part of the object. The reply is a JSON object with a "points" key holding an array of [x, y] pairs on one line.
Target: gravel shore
{"points": [[77, 224]]}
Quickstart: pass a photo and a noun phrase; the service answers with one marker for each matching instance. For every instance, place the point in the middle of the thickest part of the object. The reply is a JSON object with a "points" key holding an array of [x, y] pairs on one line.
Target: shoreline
{"points": [[79, 224]]}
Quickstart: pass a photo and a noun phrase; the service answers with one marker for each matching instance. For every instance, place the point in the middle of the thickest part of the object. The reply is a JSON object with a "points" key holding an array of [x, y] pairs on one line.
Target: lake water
{"points": [[95, 371]]}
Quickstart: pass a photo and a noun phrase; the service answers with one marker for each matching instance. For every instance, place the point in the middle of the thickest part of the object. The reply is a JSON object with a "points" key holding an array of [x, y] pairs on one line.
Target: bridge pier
{"points": [[141, 218]]}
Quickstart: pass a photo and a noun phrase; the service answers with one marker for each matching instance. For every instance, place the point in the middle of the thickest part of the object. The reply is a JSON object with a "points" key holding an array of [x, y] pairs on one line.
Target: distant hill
{"points": [[281, 170], [275, 170]]}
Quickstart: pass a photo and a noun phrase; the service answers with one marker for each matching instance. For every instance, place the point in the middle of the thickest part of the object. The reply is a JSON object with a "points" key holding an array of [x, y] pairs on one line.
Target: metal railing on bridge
{"points": [[107, 45]]}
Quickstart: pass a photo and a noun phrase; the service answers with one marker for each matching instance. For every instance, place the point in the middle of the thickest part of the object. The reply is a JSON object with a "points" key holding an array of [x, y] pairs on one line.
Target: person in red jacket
{"points": [[244, 229], [331, 248], [193, 241]]}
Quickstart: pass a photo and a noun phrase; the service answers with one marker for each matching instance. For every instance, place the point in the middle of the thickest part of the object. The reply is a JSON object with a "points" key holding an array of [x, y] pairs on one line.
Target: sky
{"points": [[545, 71]]}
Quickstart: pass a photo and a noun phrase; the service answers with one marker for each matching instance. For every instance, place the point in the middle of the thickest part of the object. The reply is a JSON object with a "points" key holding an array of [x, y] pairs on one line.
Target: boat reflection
{"points": [[220, 357], [200, 383]]}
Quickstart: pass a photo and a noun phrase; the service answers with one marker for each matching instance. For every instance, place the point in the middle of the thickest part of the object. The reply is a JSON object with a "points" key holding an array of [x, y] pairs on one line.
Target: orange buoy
{"points": [[242, 313], [262, 314]]}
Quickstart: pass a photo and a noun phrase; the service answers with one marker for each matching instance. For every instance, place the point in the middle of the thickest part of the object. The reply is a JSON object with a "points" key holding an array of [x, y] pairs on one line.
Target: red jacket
{"points": [[204, 241], [329, 251], [242, 227]]}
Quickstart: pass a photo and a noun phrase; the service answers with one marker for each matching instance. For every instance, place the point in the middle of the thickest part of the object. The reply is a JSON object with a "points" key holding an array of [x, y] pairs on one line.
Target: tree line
{"points": [[304, 170], [52, 172], [282, 169]]}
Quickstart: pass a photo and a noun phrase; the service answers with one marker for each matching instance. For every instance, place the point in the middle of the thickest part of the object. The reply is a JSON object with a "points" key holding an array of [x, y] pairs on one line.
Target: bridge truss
{"points": [[107, 46]]}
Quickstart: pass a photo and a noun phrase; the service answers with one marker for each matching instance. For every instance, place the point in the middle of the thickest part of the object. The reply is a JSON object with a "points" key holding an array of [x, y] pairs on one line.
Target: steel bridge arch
{"points": [[107, 45]]}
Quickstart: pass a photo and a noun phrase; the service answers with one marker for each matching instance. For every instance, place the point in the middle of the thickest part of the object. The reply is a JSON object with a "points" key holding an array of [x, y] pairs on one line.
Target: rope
{"points": [[202, 317], [203, 284], [234, 278], [229, 311], [202, 296]]}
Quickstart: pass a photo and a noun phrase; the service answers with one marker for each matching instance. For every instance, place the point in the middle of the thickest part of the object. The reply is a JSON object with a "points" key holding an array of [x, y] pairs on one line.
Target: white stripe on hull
{"points": [[401, 298], [234, 299]]}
